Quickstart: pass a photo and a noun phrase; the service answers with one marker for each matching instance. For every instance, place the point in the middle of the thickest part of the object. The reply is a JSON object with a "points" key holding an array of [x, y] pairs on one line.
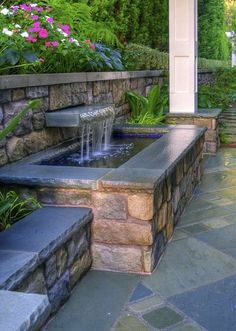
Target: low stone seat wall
{"points": [[46, 253]]}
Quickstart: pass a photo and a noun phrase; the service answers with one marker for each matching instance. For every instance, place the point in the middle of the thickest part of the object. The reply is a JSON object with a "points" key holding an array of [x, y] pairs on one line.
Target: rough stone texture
{"points": [[61, 261], [38, 121], [115, 206], [80, 267], [64, 196], [23, 311], [117, 258], [15, 149], [18, 94], [60, 292], [140, 206], [60, 96], [35, 283], [50, 270], [37, 92], [122, 232]]}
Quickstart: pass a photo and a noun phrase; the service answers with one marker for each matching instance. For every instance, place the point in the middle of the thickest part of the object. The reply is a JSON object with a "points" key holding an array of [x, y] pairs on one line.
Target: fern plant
{"points": [[148, 110], [13, 208]]}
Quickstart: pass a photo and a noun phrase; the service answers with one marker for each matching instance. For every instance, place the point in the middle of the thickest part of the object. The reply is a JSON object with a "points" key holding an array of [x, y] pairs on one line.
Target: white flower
{"points": [[17, 26], [7, 32], [4, 11], [33, 5], [24, 34]]}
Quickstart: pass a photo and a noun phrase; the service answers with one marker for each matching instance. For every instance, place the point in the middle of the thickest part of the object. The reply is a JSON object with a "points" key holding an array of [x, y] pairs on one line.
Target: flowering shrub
{"points": [[32, 41]]}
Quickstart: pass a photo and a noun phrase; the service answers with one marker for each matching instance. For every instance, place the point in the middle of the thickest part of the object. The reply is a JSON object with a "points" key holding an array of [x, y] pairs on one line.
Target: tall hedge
{"points": [[212, 39], [146, 23]]}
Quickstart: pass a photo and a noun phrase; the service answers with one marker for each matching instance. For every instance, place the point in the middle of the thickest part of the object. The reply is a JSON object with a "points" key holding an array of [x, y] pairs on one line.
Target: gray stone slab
{"points": [[52, 176], [212, 306], [96, 302], [45, 230], [23, 312], [187, 264], [164, 153], [132, 178], [201, 112], [17, 81], [15, 266]]}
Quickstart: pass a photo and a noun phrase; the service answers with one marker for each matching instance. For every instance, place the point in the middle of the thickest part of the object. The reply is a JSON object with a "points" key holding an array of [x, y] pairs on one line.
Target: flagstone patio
{"points": [[193, 288]]}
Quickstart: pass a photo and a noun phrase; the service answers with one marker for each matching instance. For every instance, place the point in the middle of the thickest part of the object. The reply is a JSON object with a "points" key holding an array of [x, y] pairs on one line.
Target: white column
{"points": [[183, 55], [233, 55]]}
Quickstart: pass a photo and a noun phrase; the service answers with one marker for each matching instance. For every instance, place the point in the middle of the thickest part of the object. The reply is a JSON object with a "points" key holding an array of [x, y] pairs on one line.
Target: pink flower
{"points": [[65, 29], [34, 17], [91, 45], [43, 34], [47, 43], [50, 20], [36, 27], [39, 9], [55, 43], [25, 7], [15, 8], [31, 39]]}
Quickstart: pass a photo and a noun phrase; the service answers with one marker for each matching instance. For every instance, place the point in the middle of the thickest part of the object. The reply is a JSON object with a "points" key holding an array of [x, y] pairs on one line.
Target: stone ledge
{"points": [[19, 81], [23, 312], [201, 113], [28, 243]]}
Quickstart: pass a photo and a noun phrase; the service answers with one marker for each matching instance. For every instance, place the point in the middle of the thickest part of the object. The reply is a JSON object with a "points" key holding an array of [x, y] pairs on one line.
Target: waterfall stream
{"points": [[96, 132]]}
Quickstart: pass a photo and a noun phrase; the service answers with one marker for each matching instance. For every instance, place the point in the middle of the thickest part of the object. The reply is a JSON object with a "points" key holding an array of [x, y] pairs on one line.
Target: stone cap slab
{"points": [[19, 81], [201, 113], [23, 312], [14, 266], [44, 231], [51, 176]]}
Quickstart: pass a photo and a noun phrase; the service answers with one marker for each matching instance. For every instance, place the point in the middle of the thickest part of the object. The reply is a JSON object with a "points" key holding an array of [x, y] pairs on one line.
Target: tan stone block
{"points": [[211, 135], [72, 197], [61, 261], [203, 122], [141, 206], [122, 232], [110, 206], [15, 149], [117, 258]]}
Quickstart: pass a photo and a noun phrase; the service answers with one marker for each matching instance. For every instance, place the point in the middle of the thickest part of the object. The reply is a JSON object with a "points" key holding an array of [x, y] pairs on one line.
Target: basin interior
{"points": [[121, 149]]}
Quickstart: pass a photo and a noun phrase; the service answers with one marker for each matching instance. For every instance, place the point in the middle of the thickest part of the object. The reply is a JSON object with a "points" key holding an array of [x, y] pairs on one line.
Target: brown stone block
{"points": [[203, 122], [60, 96], [18, 94], [211, 135], [15, 149], [117, 258], [61, 261], [211, 147], [179, 172], [122, 232], [141, 206], [110, 206]]}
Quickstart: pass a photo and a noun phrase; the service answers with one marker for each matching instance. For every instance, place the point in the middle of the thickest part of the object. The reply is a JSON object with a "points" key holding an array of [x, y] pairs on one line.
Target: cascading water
{"points": [[96, 130]]}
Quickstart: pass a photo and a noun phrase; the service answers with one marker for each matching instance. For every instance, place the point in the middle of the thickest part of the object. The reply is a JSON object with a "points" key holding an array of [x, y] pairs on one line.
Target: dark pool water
{"points": [[120, 151]]}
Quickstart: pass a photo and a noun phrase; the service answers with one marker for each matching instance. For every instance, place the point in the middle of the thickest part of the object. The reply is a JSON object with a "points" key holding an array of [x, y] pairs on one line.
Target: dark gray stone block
{"points": [[45, 230], [15, 266], [60, 292], [23, 312]]}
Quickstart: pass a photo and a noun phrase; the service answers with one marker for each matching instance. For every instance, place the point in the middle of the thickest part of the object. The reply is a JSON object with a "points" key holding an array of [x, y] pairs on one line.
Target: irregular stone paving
{"points": [[194, 286]]}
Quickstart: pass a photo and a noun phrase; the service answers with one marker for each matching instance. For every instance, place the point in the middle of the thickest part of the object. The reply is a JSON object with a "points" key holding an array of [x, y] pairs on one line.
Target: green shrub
{"points": [[221, 93], [148, 110], [138, 57]]}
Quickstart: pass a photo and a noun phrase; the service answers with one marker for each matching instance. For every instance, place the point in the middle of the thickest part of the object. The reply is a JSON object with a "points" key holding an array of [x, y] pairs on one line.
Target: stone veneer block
{"points": [[23, 312], [45, 230], [140, 206], [110, 206], [122, 232], [117, 258]]}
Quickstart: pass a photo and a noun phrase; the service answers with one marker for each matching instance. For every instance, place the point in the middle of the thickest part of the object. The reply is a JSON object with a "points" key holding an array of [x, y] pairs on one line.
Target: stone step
{"points": [[23, 311]]}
